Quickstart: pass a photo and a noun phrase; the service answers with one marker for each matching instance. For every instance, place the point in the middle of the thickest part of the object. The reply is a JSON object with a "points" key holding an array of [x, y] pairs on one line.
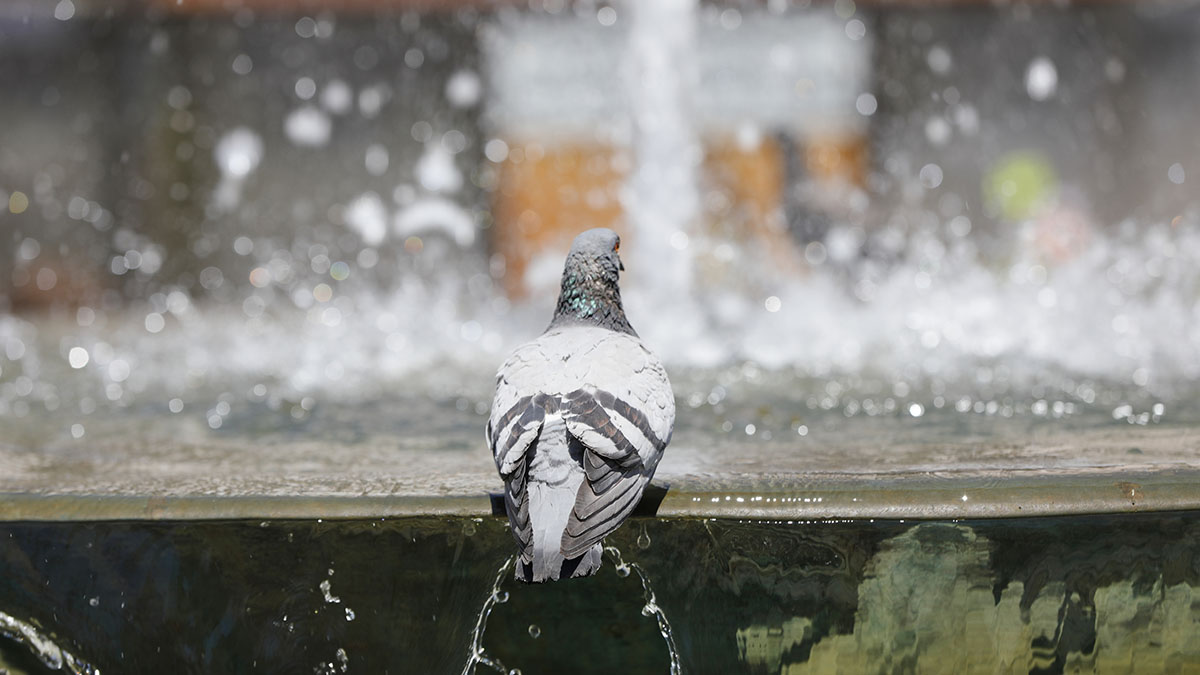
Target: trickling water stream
{"points": [[651, 607], [476, 654], [50, 654]]}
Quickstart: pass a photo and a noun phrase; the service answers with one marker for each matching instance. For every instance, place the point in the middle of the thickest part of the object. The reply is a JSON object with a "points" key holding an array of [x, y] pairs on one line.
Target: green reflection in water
{"points": [[944, 598], [1088, 594]]}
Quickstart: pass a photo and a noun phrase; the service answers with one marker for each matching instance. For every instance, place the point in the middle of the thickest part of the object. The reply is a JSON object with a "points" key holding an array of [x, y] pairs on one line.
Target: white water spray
{"points": [[49, 653], [662, 198]]}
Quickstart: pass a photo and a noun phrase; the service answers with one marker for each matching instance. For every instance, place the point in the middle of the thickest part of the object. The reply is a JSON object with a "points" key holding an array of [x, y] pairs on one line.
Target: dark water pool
{"points": [[1069, 594]]}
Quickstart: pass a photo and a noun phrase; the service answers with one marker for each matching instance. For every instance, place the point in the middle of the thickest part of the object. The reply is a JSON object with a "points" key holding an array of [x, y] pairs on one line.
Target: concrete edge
{"points": [[83, 507], [949, 496], [786, 497]]}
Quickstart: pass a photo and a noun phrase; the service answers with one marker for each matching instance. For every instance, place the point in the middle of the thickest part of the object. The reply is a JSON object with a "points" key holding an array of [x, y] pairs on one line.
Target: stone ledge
{"points": [[923, 495]]}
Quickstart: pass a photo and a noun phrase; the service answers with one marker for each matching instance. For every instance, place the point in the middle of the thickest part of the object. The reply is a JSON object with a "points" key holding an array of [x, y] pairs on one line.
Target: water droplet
{"points": [[64, 10], [856, 29], [939, 59], [500, 597], [496, 150], [18, 202], [1176, 174], [376, 159], [866, 104], [931, 175], [1041, 79], [938, 130], [340, 271], [622, 570], [464, 89], [413, 58], [242, 64], [534, 631], [325, 587], [305, 88], [78, 357]]}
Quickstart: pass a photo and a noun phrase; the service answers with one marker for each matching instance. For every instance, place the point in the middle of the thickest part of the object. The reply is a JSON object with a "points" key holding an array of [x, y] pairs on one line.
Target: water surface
{"points": [[1094, 593]]}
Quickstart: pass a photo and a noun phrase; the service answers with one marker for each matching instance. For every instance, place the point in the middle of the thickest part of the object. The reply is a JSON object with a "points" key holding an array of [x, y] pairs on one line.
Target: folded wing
{"points": [[620, 454], [511, 437]]}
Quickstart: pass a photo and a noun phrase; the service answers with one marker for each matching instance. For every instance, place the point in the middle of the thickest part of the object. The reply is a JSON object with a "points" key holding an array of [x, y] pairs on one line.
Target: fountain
{"points": [[251, 338]]}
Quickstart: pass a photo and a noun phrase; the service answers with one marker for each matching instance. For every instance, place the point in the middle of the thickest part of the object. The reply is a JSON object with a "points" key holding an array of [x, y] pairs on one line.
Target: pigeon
{"points": [[580, 420]]}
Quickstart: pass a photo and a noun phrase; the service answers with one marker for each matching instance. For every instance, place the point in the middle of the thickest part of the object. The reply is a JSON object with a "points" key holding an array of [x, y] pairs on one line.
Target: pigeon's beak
{"points": [[620, 265]]}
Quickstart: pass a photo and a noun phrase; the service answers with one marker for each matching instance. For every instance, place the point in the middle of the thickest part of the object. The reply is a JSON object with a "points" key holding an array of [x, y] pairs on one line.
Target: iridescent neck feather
{"points": [[590, 295]]}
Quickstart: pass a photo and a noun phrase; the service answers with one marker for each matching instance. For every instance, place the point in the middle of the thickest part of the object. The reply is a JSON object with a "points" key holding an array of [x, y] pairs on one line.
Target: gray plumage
{"points": [[580, 420]]}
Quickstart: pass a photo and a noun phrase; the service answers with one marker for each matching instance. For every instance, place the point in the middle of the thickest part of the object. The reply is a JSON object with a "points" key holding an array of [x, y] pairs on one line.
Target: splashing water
{"points": [[651, 607], [49, 653], [340, 664], [401, 283], [664, 199], [477, 654]]}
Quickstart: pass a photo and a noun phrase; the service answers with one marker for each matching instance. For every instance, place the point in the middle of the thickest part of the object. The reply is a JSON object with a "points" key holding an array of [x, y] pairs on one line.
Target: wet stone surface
{"points": [[425, 453]]}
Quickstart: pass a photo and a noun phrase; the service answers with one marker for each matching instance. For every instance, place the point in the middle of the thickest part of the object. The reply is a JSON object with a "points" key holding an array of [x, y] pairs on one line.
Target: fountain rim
{"points": [[921, 495]]}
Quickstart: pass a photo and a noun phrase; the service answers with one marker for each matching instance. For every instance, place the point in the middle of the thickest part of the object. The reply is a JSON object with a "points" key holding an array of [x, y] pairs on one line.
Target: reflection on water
{"points": [[1078, 594], [930, 600], [941, 598]]}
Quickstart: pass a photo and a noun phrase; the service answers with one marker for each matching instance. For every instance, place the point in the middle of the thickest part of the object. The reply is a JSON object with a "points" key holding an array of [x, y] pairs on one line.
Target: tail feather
{"points": [[568, 568], [549, 509]]}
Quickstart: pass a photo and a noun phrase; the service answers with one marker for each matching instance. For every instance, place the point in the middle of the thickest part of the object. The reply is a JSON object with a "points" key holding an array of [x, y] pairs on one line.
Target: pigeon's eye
{"points": [[617, 246]]}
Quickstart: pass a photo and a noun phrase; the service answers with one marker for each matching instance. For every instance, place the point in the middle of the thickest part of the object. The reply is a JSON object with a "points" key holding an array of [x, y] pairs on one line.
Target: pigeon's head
{"points": [[590, 292], [597, 247]]}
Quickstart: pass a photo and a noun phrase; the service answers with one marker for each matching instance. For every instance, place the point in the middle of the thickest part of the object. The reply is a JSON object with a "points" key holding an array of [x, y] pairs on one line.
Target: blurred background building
{"points": [[304, 154]]}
